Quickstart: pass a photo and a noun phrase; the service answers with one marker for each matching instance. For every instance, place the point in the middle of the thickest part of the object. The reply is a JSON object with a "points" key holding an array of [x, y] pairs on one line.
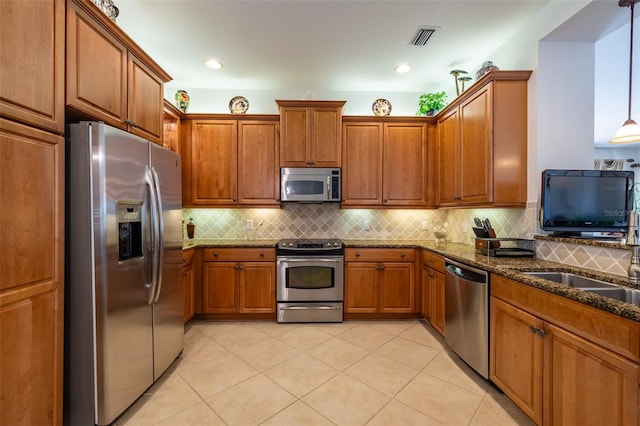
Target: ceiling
{"points": [[327, 45]]}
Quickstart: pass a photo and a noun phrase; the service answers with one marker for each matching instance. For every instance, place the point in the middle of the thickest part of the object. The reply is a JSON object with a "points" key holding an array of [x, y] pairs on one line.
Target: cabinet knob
{"points": [[357, 254], [541, 332], [533, 329], [215, 254], [402, 254], [382, 268], [184, 274], [386, 200], [261, 254]]}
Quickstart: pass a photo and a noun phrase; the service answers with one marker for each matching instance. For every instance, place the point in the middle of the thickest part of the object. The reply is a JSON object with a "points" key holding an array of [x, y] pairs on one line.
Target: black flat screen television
{"points": [[577, 201]]}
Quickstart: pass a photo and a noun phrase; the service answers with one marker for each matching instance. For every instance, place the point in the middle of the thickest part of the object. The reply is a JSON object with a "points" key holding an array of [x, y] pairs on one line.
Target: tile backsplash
{"points": [[329, 221]]}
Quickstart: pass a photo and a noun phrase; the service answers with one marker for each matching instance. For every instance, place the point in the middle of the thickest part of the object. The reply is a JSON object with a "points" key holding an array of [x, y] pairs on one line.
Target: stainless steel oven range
{"points": [[310, 280]]}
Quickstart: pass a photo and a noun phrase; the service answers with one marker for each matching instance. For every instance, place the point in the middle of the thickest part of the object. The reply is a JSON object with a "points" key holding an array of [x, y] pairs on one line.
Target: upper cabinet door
{"points": [[214, 166], [405, 164], [294, 146], [96, 69], [38, 56], [362, 164], [145, 99], [476, 148], [258, 171], [325, 137], [310, 133]]}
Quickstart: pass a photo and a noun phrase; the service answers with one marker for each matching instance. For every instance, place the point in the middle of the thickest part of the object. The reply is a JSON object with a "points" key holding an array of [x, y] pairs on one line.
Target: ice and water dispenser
{"points": [[129, 216]]}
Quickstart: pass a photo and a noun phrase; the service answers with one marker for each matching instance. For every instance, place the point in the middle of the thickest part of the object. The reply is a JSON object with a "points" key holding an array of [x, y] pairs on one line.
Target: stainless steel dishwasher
{"points": [[466, 320]]}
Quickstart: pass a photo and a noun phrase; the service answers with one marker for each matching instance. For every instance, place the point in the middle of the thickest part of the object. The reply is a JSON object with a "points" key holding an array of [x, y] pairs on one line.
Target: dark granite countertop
{"points": [[510, 267]]}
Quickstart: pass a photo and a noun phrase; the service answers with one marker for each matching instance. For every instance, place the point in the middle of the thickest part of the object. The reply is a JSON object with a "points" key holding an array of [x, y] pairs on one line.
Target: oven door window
{"points": [[310, 277]]}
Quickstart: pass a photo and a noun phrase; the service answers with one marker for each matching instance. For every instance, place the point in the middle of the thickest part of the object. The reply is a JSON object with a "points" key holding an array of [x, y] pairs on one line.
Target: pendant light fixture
{"points": [[630, 130]]}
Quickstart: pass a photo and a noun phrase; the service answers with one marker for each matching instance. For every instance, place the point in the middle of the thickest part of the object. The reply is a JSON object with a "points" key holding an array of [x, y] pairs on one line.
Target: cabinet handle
{"points": [[533, 329], [357, 254], [261, 254], [402, 254], [215, 254], [541, 332], [382, 268], [385, 200], [431, 275]]}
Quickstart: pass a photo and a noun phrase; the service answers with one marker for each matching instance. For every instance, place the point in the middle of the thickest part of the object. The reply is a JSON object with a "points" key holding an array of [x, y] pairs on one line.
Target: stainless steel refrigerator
{"points": [[123, 296]]}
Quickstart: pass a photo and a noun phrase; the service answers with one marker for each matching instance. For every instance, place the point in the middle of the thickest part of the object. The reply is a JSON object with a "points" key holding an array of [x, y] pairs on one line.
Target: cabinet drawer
{"points": [[433, 260], [379, 254], [239, 254], [187, 257]]}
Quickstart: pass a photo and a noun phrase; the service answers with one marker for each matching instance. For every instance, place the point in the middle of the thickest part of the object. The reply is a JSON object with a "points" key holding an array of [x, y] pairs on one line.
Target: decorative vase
{"points": [[191, 228], [182, 100]]}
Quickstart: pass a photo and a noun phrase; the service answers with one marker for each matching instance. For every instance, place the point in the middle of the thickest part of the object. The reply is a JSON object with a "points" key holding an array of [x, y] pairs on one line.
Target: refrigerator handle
{"points": [[153, 210], [160, 235]]}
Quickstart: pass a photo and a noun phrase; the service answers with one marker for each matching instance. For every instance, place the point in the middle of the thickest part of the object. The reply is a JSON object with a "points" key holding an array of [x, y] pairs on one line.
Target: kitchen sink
{"points": [[572, 280], [628, 295]]}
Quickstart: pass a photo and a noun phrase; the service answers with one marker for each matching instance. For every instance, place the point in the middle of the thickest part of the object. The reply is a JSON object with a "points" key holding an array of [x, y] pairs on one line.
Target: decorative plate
{"points": [[238, 105], [381, 107]]}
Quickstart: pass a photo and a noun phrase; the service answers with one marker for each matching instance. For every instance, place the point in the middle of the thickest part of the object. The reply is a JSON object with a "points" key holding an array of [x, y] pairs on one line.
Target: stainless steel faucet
{"points": [[633, 241]]}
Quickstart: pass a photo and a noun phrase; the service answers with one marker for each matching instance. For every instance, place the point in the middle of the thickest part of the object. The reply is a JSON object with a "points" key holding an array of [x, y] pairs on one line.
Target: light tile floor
{"points": [[353, 373]]}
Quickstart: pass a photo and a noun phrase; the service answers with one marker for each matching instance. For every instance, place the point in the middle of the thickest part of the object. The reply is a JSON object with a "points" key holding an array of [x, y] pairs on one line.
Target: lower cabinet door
{"points": [[516, 356], [257, 287], [436, 281], [588, 385], [361, 287], [397, 287], [220, 289]]}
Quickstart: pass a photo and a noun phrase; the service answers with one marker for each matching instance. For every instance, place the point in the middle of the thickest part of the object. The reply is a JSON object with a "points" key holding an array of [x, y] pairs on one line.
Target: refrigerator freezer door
{"points": [[169, 300]]}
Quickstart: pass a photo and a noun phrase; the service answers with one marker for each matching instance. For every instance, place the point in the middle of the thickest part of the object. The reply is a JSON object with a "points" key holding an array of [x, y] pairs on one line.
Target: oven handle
{"points": [[307, 259], [305, 308]]}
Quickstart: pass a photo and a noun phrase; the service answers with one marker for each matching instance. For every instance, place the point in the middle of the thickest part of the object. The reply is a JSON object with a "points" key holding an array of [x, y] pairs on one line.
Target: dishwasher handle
{"points": [[466, 272]]}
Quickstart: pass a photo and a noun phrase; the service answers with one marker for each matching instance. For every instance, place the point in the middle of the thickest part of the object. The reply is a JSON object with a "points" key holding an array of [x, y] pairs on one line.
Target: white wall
{"points": [[611, 81], [565, 105]]}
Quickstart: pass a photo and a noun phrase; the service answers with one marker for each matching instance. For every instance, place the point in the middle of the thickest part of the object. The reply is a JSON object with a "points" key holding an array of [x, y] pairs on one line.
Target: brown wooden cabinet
{"points": [[108, 77], [232, 162], [188, 284], [380, 281], [32, 169], [482, 143], [545, 355], [384, 163], [32, 268], [310, 133], [239, 281], [32, 74], [433, 289]]}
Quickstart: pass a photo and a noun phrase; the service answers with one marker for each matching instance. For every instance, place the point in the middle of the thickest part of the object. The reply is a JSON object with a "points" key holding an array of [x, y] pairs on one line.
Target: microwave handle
{"points": [[329, 187]]}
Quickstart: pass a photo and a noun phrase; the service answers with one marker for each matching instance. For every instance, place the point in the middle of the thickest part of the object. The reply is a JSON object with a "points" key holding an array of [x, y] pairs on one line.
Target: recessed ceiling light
{"points": [[214, 64], [403, 68]]}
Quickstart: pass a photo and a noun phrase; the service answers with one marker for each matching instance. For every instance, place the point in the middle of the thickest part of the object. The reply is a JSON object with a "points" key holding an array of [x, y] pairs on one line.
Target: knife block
{"points": [[485, 244]]}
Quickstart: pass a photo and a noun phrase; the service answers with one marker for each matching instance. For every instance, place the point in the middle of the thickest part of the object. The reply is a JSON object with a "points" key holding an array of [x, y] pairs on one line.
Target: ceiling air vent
{"points": [[422, 36]]}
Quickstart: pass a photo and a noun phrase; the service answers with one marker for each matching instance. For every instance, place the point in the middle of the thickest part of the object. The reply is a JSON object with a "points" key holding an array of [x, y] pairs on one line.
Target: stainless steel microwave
{"points": [[310, 185]]}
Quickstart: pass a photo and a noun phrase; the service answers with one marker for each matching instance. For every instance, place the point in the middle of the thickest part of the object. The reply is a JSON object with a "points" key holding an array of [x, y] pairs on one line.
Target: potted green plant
{"points": [[431, 103]]}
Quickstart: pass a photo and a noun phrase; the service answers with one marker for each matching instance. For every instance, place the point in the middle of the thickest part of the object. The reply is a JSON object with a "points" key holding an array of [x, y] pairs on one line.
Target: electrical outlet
{"points": [[249, 223], [365, 225], [425, 225]]}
